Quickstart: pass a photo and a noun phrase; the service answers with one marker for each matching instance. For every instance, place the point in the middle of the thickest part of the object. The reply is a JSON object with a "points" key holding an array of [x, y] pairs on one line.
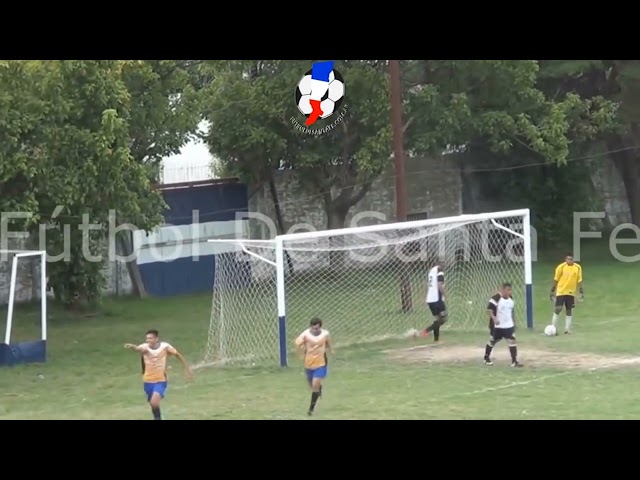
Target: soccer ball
{"points": [[411, 333], [330, 102], [550, 331]]}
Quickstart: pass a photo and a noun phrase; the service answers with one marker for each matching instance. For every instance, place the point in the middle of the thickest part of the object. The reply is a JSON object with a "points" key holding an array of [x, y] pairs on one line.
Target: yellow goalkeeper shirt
{"points": [[568, 278]]}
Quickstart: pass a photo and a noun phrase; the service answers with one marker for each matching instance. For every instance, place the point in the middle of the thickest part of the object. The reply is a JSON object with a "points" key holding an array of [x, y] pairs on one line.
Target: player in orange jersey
{"points": [[312, 345], [154, 368]]}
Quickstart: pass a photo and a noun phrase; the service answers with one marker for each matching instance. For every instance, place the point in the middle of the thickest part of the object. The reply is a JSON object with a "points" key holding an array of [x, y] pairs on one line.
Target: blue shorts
{"points": [[320, 372], [156, 387]]}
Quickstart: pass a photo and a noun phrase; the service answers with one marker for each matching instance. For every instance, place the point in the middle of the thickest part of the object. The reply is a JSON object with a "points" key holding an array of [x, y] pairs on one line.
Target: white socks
{"points": [[567, 323]]}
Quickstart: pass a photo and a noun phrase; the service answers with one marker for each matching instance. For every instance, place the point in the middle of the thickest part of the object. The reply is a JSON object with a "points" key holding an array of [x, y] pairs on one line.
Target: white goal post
{"points": [[33, 351], [366, 283]]}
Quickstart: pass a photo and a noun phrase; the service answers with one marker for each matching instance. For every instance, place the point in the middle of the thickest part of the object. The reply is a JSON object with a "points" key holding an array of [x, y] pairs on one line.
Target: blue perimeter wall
{"points": [[218, 202]]}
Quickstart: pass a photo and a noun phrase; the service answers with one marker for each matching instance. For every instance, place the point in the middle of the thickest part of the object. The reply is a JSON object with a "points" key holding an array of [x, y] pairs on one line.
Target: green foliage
{"points": [[251, 108], [163, 110], [608, 82], [506, 116], [21, 115], [497, 103], [81, 137]]}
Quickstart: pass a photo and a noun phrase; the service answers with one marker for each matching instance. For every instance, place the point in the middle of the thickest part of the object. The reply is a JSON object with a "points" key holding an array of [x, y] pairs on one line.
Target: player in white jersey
{"points": [[502, 324], [435, 301]]}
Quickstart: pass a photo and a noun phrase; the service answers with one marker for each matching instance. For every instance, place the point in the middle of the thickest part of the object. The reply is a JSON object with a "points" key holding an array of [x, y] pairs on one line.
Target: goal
{"points": [[366, 283], [27, 274]]}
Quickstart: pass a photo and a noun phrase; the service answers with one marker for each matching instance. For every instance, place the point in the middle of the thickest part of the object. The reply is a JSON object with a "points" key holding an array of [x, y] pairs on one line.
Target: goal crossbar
{"points": [[385, 227], [281, 244]]}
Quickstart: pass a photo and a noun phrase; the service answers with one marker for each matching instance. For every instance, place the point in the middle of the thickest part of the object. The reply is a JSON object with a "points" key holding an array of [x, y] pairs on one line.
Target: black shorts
{"points": [[499, 333], [438, 309], [566, 301]]}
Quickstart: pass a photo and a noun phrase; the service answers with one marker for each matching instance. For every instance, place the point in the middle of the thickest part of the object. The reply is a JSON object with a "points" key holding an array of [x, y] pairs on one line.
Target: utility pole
{"points": [[398, 140], [398, 157]]}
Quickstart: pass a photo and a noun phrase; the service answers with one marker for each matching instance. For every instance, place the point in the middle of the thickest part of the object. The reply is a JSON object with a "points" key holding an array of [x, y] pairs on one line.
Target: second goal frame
{"points": [[35, 351]]}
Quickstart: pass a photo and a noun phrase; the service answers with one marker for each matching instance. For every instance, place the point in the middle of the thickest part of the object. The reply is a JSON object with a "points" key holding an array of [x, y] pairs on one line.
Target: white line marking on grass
{"points": [[616, 320], [628, 361], [508, 385]]}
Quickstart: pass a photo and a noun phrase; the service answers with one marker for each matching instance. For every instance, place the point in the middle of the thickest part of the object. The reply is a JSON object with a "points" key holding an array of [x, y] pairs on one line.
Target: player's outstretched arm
{"points": [[441, 285], [185, 365], [135, 348], [556, 278], [330, 346], [580, 289], [492, 309], [299, 344], [492, 316]]}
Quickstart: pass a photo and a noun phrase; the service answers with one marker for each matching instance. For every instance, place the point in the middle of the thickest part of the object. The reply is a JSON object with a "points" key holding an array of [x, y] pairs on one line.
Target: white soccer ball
{"points": [[550, 331], [331, 100], [411, 333]]}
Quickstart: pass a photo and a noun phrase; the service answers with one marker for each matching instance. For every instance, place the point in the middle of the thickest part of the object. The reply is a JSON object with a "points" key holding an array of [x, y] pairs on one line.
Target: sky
{"points": [[191, 164]]}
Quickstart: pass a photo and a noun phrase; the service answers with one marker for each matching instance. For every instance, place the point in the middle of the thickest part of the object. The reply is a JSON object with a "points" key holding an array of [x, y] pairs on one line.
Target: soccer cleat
{"points": [[488, 361], [517, 365], [310, 413], [567, 332], [424, 333]]}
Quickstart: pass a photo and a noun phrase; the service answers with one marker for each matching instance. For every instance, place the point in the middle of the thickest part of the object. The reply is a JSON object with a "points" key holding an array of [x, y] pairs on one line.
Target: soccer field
{"points": [[588, 375]]}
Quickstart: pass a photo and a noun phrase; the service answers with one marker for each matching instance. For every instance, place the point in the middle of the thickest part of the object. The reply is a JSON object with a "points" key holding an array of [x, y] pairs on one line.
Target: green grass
{"points": [[90, 376]]}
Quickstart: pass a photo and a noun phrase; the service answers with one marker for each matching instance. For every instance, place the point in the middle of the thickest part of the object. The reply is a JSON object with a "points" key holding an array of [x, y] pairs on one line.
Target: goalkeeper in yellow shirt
{"points": [[567, 282]]}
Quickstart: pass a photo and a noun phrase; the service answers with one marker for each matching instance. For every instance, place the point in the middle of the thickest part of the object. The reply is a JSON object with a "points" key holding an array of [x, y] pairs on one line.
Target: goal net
{"points": [[25, 274], [367, 283]]}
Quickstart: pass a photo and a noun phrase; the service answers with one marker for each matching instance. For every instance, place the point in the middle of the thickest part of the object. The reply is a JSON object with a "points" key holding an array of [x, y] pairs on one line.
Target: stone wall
{"points": [[432, 189], [610, 187]]}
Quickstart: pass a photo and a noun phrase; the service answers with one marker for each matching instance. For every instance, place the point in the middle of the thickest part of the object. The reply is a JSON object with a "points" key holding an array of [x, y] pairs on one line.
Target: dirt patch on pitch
{"points": [[452, 354]]}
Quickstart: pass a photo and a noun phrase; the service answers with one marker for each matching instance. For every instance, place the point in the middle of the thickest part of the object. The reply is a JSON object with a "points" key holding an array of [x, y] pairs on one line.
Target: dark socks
{"points": [[435, 328], [513, 350], [314, 400], [487, 351], [156, 413]]}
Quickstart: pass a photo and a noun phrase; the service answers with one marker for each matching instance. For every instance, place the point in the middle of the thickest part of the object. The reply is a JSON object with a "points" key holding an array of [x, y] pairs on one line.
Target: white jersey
{"points": [[502, 308], [434, 279]]}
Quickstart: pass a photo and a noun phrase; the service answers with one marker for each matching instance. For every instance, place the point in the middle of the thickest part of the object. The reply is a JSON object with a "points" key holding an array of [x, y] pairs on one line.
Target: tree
{"points": [[21, 115], [163, 107], [72, 125], [502, 118], [618, 82], [162, 115], [250, 106], [498, 104]]}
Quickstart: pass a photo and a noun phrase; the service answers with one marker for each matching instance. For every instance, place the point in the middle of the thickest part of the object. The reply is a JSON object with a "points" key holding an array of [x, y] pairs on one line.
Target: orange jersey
{"points": [[155, 362], [315, 348]]}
